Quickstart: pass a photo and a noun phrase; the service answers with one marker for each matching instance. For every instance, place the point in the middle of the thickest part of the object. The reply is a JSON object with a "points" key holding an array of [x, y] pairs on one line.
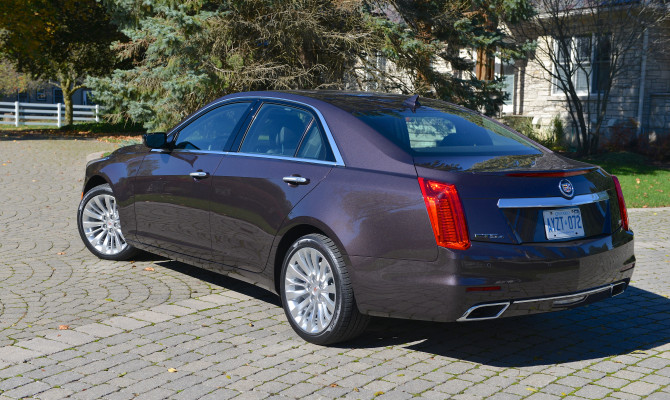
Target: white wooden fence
{"points": [[17, 113]]}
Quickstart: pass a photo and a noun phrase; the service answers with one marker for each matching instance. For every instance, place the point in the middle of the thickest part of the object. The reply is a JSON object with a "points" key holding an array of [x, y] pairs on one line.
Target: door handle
{"points": [[199, 174], [296, 180]]}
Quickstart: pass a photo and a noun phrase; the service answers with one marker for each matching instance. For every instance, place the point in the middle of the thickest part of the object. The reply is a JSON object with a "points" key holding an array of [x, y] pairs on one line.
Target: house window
{"points": [[41, 95], [508, 76], [586, 59], [58, 95], [87, 98]]}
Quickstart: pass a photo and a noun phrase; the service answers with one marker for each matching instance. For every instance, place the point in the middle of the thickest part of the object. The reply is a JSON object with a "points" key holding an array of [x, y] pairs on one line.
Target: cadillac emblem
{"points": [[566, 188]]}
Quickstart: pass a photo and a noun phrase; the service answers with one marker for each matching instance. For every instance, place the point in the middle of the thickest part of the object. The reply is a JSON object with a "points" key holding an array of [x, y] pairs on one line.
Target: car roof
{"points": [[349, 101]]}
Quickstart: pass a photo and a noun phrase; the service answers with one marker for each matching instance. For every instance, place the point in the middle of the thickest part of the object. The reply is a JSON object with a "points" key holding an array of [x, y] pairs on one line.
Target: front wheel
{"points": [[316, 292], [100, 226]]}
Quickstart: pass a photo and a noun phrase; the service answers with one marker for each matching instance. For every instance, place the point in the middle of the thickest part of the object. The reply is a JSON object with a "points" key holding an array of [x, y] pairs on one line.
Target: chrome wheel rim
{"points": [[101, 225], [310, 290]]}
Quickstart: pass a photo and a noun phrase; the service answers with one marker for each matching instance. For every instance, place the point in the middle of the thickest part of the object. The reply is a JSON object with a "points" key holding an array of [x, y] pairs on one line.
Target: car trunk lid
{"points": [[521, 199]]}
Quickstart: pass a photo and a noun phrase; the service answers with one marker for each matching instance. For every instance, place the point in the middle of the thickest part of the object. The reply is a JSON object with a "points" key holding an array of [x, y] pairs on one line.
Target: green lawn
{"points": [[77, 128], [643, 184]]}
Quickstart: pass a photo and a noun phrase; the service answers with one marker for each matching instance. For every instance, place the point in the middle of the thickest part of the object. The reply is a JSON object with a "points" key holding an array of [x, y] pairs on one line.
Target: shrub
{"points": [[554, 138]]}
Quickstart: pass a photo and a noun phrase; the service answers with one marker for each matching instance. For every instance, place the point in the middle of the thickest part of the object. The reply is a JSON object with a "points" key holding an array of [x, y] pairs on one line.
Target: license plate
{"points": [[565, 223]]}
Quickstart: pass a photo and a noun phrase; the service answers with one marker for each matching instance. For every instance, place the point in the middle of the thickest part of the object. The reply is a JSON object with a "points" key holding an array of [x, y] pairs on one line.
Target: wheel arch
{"points": [[292, 234], [95, 180]]}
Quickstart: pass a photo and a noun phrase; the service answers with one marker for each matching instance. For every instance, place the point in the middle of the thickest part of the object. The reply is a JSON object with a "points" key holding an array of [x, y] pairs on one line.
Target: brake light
{"points": [[446, 214], [622, 204]]}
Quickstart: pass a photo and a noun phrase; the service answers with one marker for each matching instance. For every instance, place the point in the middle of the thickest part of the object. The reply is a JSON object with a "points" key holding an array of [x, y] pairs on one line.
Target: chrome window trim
{"points": [[188, 151], [538, 202], [284, 158], [255, 155], [339, 161]]}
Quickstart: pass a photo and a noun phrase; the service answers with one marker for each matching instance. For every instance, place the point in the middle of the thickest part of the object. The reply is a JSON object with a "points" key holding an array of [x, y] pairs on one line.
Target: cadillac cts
{"points": [[354, 204]]}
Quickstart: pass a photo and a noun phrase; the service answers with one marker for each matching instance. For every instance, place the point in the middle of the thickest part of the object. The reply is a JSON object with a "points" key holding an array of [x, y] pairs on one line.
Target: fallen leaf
{"points": [[356, 390], [122, 374], [61, 253], [149, 269], [63, 327], [109, 300], [172, 370], [637, 180], [531, 389], [379, 393], [227, 376], [333, 385], [250, 324]]}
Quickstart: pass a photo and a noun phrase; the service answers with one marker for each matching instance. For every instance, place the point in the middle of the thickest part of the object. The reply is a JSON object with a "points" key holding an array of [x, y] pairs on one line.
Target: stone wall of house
{"points": [[533, 95], [656, 114]]}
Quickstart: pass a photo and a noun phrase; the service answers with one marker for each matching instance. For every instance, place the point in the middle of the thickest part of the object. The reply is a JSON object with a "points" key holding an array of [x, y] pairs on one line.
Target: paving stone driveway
{"points": [[177, 332]]}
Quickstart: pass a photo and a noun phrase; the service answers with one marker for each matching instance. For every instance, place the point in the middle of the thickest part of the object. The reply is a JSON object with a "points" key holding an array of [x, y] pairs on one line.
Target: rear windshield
{"points": [[438, 129]]}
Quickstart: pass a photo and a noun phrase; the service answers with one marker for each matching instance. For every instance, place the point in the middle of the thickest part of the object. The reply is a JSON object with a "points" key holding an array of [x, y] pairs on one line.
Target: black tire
{"points": [[346, 321], [118, 250]]}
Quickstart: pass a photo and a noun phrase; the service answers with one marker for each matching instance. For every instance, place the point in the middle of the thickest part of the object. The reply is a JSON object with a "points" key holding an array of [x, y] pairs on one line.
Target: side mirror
{"points": [[155, 140]]}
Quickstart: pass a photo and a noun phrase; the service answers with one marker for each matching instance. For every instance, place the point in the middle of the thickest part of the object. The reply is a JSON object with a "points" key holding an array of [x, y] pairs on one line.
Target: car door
{"points": [[173, 186], [283, 155]]}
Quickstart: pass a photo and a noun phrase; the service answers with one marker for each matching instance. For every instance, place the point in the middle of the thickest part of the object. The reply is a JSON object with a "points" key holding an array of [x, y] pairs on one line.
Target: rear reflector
{"points": [[549, 174], [622, 204], [446, 214]]}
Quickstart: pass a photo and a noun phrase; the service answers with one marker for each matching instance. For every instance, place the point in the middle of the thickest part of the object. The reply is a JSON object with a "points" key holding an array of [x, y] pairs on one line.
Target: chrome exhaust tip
{"points": [[485, 311]]}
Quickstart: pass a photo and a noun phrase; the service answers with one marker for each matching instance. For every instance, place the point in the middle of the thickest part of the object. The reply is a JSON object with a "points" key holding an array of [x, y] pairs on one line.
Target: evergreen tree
{"points": [[187, 54], [428, 40]]}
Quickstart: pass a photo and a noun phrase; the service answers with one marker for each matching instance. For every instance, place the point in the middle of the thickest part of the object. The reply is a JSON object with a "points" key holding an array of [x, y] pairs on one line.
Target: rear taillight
{"points": [[446, 214], [622, 204]]}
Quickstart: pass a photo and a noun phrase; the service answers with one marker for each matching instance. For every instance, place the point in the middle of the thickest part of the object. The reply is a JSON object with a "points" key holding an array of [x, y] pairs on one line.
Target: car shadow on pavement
{"points": [[633, 322], [219, 280]]}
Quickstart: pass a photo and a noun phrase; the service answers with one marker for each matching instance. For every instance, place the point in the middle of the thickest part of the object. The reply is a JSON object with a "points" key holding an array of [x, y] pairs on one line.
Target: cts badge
{"points": [[566, 188]]}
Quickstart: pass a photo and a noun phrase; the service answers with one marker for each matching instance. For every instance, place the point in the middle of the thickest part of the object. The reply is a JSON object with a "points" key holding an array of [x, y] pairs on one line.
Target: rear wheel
{"points": [[100, 226], [316, 292]]}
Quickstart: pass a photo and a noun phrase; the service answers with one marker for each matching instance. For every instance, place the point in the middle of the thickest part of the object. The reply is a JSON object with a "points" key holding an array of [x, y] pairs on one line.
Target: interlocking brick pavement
{"points": [[182, 333]]}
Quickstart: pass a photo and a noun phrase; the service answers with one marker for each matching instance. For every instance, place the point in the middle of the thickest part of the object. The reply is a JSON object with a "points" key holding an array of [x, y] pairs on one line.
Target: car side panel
{"points": [[172, 208], [372, 214], [119, 171], [250, 201]]}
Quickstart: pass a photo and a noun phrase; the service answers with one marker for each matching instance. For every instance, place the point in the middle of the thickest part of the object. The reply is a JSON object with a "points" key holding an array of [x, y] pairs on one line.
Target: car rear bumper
{"points": [[518, 307], [498, 280]]}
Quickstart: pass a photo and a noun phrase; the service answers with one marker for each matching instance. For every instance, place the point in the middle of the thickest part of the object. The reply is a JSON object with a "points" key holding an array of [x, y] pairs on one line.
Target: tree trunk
{"points": [[69, 113], [69, 85], [425, 34]]}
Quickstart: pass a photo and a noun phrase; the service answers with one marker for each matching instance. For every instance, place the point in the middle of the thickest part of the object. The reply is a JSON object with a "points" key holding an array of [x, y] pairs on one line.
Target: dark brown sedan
{"points": [[355, 204]]}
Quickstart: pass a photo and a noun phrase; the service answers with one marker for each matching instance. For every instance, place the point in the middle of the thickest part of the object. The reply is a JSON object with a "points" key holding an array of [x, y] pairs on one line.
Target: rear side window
{"points": [[315, 145], [436, 130], [276, 130]]}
